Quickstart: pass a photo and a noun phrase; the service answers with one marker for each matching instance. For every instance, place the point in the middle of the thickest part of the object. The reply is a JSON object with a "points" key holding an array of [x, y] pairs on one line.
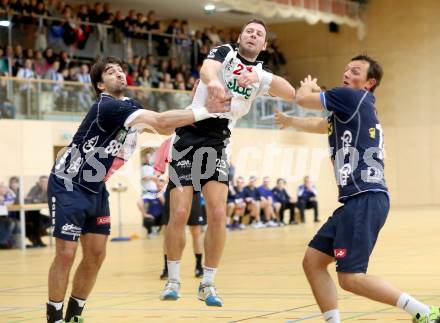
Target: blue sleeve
{"points": [[342, 101], [113, 113]]}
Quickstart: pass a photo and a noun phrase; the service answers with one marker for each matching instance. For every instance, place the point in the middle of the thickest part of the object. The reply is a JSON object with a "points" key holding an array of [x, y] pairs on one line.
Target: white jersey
{"points": [[233, 65]]}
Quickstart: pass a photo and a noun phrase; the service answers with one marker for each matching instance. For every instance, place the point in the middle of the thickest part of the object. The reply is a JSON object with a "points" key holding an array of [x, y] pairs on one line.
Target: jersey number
{"points": [[113, 148], [240, 67]]}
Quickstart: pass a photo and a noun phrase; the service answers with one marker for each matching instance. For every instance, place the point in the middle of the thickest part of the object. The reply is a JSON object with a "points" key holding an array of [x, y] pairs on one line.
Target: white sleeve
{"points": [[266, 80], [131, 117]]}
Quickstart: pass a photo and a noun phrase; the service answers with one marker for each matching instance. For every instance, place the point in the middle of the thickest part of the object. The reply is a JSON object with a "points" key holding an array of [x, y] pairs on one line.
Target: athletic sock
{"points": [[165, 266], [174, 270], [54, 312], [411, 305], [74, 307], [332, 316], [208, 275], [198, 260]]}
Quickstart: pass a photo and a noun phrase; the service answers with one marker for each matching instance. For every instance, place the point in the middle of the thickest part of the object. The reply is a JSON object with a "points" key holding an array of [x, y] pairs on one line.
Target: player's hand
{"points": [[216, 89], [218, 105], [247, 78], [148, 216], [312, 83], [282, 119]]}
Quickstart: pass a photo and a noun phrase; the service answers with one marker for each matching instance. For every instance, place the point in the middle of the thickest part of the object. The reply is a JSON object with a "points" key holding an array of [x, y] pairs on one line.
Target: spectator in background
{"points": [[85, 93], [148, 178], [40, 66], [7, 224], [26, 88], [236, 205], [252, 199], [36, 223], [283, 201], [267, 203], [151, 206], [307, 199]]}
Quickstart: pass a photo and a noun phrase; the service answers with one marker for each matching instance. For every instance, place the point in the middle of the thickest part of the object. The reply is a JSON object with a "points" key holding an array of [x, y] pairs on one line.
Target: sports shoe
{"points": [[170, 291], [76, 319], [164, 275], [433, 317], [198, 272], [208, 293]]}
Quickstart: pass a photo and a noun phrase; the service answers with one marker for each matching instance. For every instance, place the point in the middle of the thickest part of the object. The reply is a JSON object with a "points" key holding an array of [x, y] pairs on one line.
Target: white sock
{"points": [[58, 305], [332, 316], [173, 270], [208, 275], [411, 305]]}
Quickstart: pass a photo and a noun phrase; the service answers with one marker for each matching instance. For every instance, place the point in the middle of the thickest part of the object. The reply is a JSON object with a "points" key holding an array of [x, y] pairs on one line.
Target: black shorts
{"points": [[197, 215], [350, 234], [78, 211], [196, 166]]}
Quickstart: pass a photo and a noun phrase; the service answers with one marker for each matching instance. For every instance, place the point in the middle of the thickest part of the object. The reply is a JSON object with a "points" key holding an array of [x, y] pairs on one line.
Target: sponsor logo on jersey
{"points": [[102, 220], [245, 91], [71, 230], [340, 253], [372, 132], [344, 174], [90, 144], [185, 163], [346, 138], [330, 129], [212, 53]]}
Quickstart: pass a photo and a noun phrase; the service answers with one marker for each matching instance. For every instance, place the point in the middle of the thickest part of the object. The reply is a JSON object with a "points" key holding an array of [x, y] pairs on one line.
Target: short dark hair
{"points": [[375, 71], [98, 68], [255, 21]]}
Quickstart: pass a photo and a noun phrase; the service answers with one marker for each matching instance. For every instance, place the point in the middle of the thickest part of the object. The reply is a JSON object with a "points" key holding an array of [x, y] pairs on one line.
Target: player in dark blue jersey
{"points": [[357, 152], [78, 199]]}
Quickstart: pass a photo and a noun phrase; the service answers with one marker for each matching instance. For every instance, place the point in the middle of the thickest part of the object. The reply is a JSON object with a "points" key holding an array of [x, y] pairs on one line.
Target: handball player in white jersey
{"points": [[200, 152]]}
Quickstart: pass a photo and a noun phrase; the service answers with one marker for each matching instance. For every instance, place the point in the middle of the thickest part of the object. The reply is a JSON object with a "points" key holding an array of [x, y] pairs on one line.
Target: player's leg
{"points": [[180, 207], [368, 215], [301, 205], [315, 265], [197, 242], [318, 256], [93, 250], [215, 194], [164, 275], [59, 277]]}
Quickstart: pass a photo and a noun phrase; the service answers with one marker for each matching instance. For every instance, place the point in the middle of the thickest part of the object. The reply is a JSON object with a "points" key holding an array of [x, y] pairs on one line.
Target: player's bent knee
{"points": [[95, 257], [349, 281]]}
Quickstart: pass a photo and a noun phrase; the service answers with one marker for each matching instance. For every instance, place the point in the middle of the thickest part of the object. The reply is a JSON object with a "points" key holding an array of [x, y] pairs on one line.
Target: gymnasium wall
{"points": [[28, 150], [403, 36]]}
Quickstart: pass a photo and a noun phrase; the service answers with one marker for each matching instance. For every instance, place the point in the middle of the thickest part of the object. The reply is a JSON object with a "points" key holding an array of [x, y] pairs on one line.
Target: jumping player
{"points": [[200, 158], [77, 195]]}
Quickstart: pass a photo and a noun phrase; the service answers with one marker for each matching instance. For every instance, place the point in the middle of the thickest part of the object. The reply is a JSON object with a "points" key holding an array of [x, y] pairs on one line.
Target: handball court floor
{"points": [[260, 277]]}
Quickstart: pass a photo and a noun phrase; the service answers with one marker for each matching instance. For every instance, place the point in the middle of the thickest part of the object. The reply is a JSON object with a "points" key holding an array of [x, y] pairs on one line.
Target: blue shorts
{"points": [[78, 211], [153, 207], [350, 234]]}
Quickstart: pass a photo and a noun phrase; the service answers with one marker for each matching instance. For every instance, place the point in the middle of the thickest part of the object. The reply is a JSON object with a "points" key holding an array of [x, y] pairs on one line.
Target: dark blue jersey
{"points": [[251, 193], [101, 145], [356, 141]]}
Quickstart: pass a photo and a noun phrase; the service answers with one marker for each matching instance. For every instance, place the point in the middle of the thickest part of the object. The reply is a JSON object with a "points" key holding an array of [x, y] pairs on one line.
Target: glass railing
{"points": [[69, 101], [40, 32]]}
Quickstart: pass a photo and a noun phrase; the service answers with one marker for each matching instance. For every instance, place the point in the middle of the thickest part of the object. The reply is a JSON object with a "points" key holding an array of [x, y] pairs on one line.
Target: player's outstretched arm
{"points": [[308, 95], [281, 88], [166, 122], [311, 125]]}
